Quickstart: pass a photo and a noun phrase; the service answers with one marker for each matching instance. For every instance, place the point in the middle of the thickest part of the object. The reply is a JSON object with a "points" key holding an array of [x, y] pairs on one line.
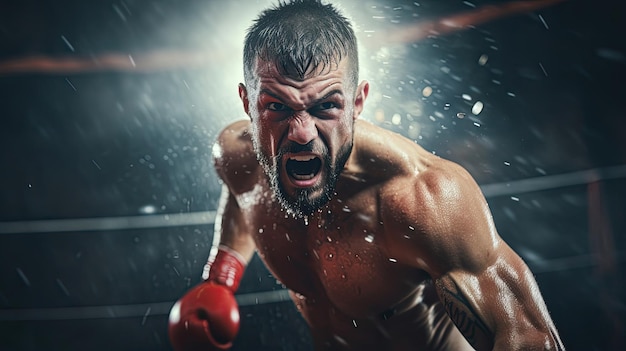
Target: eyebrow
{"points": [[315, 102], [329, 94]]}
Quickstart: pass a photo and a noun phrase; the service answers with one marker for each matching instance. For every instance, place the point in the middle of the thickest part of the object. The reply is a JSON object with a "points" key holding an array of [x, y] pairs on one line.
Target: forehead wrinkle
{"points": [[268, 69], [299, 93]]}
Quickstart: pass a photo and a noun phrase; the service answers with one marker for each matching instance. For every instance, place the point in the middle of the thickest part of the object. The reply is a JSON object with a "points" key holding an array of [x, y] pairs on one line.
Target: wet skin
{"points": [[405, 237]]}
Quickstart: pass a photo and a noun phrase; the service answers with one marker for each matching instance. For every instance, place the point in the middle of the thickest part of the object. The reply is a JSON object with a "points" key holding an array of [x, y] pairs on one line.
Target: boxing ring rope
{"points": [[126, 311], [514, 187], [511, 188]]}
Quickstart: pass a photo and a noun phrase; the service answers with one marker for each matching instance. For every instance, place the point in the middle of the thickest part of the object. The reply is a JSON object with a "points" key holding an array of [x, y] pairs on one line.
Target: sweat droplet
{"points": [[369, 238]]}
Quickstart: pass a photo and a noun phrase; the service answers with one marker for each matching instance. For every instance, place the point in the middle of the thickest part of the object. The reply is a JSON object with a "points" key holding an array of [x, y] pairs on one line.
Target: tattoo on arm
{"points": [[464, 316]]}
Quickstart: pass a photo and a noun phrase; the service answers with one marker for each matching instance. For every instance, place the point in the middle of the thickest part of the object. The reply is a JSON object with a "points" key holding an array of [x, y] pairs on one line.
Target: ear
{"points": [[243, 95], [361, 95]]}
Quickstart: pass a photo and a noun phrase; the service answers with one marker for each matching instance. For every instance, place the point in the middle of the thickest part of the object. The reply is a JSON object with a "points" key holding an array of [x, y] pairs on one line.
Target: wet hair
{"points": [[301, 37]]}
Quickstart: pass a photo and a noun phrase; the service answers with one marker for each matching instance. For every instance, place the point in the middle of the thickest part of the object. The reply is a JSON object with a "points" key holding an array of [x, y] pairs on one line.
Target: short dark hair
{"points": [[300, 37]]}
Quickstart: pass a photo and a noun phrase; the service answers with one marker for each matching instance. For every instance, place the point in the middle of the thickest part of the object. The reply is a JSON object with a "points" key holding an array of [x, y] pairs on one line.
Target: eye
{"points": [[276, 106], [326, 105]]}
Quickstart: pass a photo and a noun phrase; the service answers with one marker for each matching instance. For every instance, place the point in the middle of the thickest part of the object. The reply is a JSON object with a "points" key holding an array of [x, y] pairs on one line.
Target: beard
{"points": [[304, 201]]}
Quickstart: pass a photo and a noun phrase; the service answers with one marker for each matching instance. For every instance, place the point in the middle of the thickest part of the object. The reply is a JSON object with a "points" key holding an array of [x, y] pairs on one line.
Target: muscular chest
{"points": [[339, 252]]}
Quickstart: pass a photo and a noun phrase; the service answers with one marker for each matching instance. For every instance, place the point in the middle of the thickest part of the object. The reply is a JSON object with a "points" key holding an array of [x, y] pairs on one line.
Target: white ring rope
{"points": [[553, 181], [250, 299], [108, 223], [126, 311]]}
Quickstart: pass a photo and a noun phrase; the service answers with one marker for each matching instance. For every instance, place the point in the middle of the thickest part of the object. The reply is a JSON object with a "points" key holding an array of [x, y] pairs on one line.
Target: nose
{"points": [[302, 129]]}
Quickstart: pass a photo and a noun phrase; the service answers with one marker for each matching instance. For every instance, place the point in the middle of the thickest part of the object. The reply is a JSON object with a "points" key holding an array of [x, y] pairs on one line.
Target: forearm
{"points": [[504, 337], [500, 309], [231, 233], [231, 227], [533, 340]]}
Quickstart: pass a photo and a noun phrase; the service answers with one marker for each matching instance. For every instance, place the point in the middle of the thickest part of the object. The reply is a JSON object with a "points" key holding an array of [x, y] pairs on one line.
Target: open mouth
{"points": [[303, 167]]}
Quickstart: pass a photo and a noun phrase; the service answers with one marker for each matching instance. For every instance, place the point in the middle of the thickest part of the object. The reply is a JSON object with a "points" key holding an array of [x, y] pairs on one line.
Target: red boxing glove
{"points": [[207, 316]]}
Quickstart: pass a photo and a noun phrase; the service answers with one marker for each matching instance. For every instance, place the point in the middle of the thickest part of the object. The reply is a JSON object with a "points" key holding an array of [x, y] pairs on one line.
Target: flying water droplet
{"points": [[427, 91], [62, 286], [23, 276], [145, 316], [482, 60], [477, 108]]}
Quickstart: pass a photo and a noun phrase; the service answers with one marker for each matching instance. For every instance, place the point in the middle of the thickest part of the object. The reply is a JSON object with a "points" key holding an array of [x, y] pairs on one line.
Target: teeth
{"points": [[302, 158], [303, 177]]}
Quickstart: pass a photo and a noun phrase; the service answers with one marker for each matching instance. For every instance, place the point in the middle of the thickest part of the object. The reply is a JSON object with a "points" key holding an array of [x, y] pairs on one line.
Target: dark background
{"points": [[124, 133]]}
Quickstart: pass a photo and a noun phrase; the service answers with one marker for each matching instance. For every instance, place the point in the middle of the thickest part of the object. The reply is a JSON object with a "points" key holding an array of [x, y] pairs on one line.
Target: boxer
{"points": [[382, 245]]}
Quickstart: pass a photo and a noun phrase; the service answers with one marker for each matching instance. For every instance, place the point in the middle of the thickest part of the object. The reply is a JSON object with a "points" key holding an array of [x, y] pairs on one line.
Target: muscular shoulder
{"points": [[234, 157], [382, 153], [439, 215]]}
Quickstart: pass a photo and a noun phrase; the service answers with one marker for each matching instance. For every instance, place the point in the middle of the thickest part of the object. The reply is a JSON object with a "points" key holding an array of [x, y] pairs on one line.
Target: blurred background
{"points": [[109, 110]]}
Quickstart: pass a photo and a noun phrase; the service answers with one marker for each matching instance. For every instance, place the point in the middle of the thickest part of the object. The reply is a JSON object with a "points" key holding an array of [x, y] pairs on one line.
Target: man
{"points": [[382, 245]]}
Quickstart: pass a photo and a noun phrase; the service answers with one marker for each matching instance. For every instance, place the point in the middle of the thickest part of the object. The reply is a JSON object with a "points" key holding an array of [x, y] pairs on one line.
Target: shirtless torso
{"points": [[353, 267]]}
